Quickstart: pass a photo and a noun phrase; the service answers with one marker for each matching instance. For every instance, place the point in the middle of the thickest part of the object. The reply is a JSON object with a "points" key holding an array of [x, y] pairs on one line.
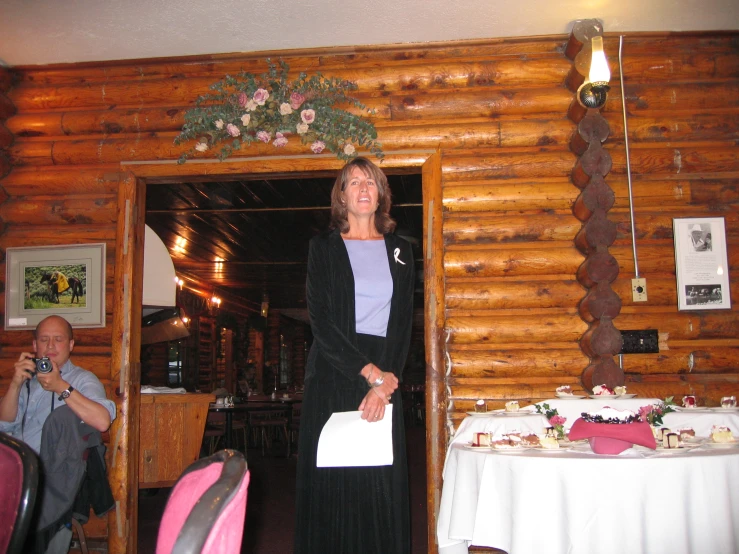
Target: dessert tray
{"points": [[470, 446], [569, 396], [711, 444], [611, 396], [722, 409], [478, 414]]}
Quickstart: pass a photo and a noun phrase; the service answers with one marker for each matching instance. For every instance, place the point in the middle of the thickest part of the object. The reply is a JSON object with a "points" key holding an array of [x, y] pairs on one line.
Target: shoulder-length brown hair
{"points": [[383, 222]]}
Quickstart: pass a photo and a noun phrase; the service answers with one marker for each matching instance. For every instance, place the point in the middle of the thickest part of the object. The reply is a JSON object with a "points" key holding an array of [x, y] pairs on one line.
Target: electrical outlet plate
{"points": [[640, 342], [639, 290]]}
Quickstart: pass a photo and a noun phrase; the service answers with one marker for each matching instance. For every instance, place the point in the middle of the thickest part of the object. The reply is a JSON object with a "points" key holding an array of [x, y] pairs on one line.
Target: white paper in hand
{"points": [[347, 440]]}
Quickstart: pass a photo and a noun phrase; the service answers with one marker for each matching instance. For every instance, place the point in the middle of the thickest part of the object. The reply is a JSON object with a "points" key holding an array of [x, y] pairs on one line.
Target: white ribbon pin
{"points": [[397, 258]]}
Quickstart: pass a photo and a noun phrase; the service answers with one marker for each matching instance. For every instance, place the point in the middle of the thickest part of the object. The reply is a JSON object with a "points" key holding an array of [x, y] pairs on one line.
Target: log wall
{"points": [[496, 111]]}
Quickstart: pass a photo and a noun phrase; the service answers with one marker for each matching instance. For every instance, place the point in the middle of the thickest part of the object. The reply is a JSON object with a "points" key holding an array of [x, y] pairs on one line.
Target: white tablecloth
{"points": [[640, 502]]}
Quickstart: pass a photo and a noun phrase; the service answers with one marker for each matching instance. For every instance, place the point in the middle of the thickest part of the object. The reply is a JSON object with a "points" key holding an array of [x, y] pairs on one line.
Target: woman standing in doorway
{"points": [[360, 300]]}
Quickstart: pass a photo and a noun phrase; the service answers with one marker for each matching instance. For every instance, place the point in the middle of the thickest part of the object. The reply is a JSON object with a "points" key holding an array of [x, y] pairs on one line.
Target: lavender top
{"points": [[373, 285]]}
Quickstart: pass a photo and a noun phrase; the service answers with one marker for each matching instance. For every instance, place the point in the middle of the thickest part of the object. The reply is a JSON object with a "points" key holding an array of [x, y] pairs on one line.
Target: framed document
{"points": [[701, 263]]}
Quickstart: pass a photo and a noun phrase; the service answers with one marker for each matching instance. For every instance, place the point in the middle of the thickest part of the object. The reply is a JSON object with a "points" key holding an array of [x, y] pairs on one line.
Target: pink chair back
{"points": [[206, 509], [19, 469]]}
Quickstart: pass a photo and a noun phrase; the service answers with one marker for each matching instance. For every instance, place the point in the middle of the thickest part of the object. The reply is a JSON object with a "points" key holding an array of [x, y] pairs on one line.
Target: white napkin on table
{"points": [[347, 440]]}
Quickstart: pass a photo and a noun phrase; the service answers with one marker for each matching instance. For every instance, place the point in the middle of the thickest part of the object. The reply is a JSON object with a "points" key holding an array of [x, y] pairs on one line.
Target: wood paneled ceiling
{"points": [[246, 237]]}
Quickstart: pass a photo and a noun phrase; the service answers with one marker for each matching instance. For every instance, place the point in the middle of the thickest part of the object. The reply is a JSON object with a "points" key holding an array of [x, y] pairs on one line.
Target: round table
{"points": [[577, 502]]}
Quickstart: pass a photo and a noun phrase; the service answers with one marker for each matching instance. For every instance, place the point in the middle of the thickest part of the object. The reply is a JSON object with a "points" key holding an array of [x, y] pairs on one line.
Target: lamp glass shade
{"points": [[599, 71]]}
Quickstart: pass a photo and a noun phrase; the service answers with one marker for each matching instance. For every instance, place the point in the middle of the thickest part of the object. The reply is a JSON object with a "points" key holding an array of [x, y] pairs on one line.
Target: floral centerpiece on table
{"points": [[652, 413], [271, 109], [555, 420]]}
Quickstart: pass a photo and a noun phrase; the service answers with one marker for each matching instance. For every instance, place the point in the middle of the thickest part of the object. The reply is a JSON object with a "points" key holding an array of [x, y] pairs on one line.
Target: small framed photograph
{"points": [[64, 280], [701, 264]]}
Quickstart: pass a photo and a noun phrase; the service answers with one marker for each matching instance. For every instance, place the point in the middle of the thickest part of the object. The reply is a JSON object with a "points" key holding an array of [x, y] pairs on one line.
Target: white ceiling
{"points": [[58, 31]]}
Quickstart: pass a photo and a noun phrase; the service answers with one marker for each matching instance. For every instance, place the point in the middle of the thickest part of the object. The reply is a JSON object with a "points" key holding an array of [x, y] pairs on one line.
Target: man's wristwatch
{"points": [[65, 393]]}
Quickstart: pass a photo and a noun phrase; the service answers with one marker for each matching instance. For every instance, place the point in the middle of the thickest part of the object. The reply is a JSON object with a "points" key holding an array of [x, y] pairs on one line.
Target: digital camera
{"points": [[43, 365]]}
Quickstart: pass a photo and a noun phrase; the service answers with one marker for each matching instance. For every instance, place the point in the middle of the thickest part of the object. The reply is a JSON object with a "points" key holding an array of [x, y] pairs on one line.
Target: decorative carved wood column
{"points": [[602, 341]]}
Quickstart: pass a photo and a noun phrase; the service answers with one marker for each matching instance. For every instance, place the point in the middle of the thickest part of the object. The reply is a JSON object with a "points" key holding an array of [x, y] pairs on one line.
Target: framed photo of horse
{"points": [[66, 280]]}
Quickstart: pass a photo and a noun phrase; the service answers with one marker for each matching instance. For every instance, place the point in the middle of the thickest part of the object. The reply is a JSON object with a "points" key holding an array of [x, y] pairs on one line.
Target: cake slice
{"points": [[621, 390], [481, 439], [720, 433], [512, 406], [548, 442], [565, 390], [602, 390], [671, 440], [480, 406], [689, 401], [728, 402]]}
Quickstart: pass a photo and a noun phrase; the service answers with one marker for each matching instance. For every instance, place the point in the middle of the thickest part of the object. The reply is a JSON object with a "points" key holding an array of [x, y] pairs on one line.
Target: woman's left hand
{"points": [[373, 406]]}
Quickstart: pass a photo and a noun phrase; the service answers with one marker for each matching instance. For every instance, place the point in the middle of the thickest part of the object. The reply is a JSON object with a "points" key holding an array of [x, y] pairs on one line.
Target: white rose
{"points": [[251, 105], [201, 146], [349, 149], [285, 109], [219, 124], [245, 119], [302, 128]]}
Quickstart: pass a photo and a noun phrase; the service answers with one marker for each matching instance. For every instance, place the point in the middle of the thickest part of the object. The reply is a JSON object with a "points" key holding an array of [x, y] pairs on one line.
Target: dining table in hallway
{"points": [[255, 403]]}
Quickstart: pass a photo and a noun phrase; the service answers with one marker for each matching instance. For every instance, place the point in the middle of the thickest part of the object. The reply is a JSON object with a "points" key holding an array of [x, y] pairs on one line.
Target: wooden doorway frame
{"points": [[126, 346]]}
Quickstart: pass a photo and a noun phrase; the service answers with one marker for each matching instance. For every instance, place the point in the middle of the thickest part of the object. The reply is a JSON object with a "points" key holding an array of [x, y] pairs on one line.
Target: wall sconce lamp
{"points": [[592, 93], [265, 305], [178, 282], [215, 302]]}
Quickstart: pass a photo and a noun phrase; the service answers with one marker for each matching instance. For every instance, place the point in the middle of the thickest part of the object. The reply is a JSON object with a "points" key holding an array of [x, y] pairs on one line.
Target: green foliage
{"points": [[269, 108]]}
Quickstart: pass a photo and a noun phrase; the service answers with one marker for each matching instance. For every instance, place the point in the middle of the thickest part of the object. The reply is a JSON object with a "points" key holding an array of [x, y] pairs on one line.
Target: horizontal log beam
{"points": [[183, 91], [479, 229], [517, 364], [40, 210], [501, 330], [512, 262], [511, 294]]}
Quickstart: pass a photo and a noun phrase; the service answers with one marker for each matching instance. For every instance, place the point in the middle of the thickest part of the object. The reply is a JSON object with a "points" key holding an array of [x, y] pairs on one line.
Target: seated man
{"points": [[24, 409]]}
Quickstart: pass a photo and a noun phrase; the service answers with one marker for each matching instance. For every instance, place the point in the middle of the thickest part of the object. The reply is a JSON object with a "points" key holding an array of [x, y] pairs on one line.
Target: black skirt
{"points": [[355, 509]]}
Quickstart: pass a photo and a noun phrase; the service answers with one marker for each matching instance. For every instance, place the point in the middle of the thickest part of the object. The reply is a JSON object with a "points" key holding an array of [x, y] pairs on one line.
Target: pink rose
{"points": [[644, 411], [349, 149], [260, 96], [243, 99], [296, 100], [232, 130], [308, 116], [318, 147], [557, 420], [280, 140], [264, 136]]}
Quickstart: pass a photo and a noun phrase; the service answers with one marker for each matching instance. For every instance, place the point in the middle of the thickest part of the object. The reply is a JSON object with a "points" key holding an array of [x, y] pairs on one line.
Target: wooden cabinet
{"points": [[170, 433]]}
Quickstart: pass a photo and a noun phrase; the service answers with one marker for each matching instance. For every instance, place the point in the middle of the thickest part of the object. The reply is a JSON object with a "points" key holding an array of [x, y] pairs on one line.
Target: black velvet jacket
{"points": [[334, 357]]}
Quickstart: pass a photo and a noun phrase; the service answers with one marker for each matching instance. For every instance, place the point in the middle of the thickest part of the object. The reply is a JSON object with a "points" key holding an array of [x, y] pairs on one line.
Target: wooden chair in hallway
{"points": [[265, 424], [215, 430]]}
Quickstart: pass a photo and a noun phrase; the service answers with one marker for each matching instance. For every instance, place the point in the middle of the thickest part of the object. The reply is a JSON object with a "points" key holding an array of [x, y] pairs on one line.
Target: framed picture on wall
{"points": [[701, 263], [65, 280]]}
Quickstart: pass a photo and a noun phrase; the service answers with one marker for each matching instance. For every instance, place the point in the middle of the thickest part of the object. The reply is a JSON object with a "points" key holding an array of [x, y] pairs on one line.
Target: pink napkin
{"points": [[608, 438]]}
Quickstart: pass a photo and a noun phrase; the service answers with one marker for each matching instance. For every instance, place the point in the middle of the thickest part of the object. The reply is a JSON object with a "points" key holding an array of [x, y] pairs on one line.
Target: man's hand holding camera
{"points": [[44, 370]]}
